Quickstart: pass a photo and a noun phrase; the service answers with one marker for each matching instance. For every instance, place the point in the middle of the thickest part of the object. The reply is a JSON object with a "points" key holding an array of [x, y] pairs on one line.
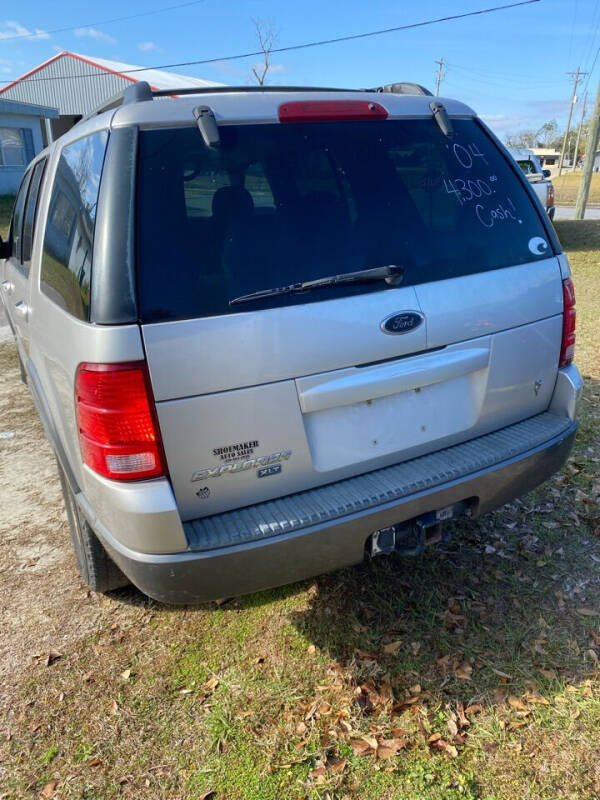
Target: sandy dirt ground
{"points": [[43, 605]]}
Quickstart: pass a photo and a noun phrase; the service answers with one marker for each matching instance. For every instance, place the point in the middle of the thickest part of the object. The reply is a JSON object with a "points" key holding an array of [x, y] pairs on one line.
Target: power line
{"points": [[303, 46], [102, 22]]}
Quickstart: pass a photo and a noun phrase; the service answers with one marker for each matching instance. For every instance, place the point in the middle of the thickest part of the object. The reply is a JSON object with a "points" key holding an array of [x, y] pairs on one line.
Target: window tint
{"points": [[31, 210], [16, 225], [288, 203], [69, 234]]}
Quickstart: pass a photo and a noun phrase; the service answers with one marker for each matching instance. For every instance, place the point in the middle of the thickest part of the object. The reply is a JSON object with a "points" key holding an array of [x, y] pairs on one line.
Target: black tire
{"points": [[96, 568]]}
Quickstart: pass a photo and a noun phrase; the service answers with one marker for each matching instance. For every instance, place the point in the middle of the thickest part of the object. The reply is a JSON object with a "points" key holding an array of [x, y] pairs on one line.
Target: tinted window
{"points": [[16, 225], [31, 211], [278, 204], [69, 235]]}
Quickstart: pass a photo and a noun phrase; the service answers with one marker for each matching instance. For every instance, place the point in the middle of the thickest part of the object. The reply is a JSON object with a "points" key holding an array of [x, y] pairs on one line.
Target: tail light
{"points": [[118, 428], [550, 196], [567, 349]]}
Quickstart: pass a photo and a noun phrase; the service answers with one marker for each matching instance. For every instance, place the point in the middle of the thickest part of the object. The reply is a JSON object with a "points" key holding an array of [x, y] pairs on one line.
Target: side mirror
{"points": [[546, 173], [4, 249]]}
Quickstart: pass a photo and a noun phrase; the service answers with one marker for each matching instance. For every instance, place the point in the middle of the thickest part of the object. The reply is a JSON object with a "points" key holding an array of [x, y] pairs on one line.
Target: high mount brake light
{"points": [[567, 348], [331, 111], [118, 428]]}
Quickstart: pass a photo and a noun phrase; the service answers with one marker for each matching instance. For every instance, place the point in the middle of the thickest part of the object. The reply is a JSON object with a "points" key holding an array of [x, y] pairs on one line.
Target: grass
{"points": [[567, 185], [6, 206], [478, 660]]}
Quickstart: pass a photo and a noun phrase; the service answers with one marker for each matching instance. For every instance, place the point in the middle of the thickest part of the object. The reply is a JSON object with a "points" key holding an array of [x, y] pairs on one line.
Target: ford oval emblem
{"points": [[402, 322]]}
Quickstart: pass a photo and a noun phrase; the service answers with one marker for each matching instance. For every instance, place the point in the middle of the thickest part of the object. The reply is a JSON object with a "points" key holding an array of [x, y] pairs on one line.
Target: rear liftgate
{"points": [[411, 537]]}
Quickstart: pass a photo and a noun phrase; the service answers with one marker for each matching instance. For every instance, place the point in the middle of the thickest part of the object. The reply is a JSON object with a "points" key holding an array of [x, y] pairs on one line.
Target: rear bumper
{"points": [[270, 556]]}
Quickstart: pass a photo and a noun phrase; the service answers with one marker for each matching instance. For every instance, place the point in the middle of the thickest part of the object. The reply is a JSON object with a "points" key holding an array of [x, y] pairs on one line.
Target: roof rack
{"points": [[141, 91], [402, 88]]}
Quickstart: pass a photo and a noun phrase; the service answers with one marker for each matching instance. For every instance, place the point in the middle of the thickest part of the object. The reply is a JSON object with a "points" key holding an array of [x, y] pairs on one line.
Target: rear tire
{"points": [[96, 568]]}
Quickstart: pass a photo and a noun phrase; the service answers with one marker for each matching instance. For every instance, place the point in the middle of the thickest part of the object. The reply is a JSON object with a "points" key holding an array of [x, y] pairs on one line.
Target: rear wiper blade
{"points": [[392, 274]]}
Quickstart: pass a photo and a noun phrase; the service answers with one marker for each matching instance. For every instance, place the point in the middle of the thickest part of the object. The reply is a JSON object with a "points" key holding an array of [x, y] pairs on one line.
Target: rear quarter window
{"points": [[279, 204], [69, 234]]}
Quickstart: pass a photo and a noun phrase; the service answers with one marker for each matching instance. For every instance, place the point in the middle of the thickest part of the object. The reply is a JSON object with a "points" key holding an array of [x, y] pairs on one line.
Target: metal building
{"points": [[77, 84]]}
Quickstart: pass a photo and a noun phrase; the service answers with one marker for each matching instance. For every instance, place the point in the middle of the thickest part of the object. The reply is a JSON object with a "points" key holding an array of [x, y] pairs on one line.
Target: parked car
{"points": [[538, 177], [270, 333]]}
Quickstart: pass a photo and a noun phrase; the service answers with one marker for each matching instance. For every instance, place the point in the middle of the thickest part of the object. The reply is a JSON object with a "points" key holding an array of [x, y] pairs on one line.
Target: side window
{"points": [[31, 211], [66, 272], [16, 225]]}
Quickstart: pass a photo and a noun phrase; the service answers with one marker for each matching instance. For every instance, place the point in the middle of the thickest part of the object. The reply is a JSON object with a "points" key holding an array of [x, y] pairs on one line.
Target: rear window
{"points": [[282, 203]]}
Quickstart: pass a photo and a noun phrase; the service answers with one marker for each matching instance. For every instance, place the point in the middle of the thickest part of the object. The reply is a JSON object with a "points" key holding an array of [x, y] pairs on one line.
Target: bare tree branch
{"points": [[267, 39]]}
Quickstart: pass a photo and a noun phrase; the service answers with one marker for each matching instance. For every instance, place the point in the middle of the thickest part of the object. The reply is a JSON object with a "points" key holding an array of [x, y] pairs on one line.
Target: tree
{"points": [[526, 139], [267, 38], [548, 133]]}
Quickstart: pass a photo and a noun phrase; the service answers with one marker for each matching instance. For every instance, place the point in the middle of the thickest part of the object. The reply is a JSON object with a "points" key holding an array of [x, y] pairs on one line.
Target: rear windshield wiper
{"points": [[392, 275]]}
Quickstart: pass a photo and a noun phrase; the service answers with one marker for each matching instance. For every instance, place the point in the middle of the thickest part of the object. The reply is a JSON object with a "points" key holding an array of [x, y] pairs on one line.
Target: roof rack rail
{"points": [[402, 88], [141, 91]]}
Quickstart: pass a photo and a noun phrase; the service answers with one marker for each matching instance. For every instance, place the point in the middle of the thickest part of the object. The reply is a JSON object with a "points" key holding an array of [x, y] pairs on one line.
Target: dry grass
{"points": [[267, 697], [567, 185]]}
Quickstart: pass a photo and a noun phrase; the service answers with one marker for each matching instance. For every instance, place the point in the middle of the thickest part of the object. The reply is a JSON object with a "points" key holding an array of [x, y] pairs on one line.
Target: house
{"points": [[548, 157], [22, 127], [77, 85]]}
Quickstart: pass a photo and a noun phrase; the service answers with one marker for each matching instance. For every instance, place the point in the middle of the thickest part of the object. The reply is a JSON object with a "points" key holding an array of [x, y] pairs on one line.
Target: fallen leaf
{"points": [[452, 727], [500, 695], [535, 698], [595, 637], [311, 649], [94, 762], [392, 647], [592, 654], [434, 737], [126, 674], [52, 656], [113, 708], [388, 748], [464, 671], [515, 724], [370, 740], [474, 708], [361, 748], [301, 728], [549, 674], [588, 612], [48, 790], [185, 691], [337, 765], [207, 795], [212, 683], [517, 704]]}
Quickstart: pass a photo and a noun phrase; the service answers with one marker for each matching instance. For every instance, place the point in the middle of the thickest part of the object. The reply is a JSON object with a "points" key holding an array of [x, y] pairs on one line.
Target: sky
{"points": [[511, 66]]}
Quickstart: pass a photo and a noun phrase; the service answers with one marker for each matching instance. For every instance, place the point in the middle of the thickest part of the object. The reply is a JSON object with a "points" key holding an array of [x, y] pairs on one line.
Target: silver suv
{"points": [[271, 332]]}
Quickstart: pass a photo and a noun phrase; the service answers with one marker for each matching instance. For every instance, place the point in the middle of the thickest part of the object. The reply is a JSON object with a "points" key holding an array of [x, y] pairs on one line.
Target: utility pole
{"points": [[439, 75], [576, 154], [577, 76], [590, 156]]}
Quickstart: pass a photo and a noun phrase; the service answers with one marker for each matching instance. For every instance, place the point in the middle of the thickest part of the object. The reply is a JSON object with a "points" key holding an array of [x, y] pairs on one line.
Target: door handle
{"points": [[22, 309], [8, 287]]}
